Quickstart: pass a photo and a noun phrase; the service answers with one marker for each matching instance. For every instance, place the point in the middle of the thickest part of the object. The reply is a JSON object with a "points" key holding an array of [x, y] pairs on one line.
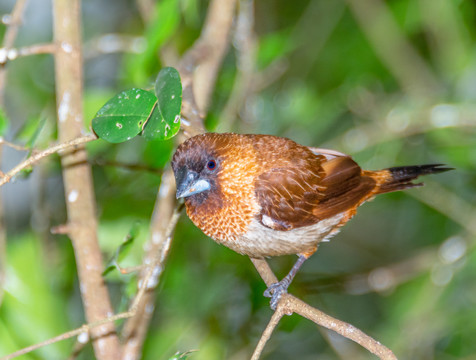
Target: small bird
{"points": [[263, 195]]}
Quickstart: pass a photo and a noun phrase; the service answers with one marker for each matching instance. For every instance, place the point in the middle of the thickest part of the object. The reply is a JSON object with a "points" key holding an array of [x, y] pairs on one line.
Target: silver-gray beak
{"points": [[189, 183]]}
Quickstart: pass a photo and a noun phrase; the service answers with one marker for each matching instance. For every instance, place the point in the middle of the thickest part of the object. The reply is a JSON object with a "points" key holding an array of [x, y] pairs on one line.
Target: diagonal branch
{"points": [[67, 145], [290, 304]]}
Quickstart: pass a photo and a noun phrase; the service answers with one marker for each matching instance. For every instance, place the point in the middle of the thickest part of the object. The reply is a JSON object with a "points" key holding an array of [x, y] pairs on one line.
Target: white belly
{"points": [[261, 241]]}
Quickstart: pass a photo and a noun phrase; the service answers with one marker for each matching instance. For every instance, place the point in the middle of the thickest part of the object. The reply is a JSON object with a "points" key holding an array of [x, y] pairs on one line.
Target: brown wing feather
{"points": [[297, 195], [345, 187]]}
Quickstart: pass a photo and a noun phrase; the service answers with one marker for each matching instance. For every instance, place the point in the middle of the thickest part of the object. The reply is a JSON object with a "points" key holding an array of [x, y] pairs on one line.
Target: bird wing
{"points": [[296, 196]]}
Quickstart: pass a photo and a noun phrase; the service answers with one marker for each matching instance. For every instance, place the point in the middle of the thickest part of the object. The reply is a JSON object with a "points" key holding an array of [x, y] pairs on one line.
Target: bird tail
{"points": [[400, 178]]}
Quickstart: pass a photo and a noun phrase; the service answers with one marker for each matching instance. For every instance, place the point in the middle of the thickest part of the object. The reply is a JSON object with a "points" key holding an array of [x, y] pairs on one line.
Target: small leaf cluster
{"points": [[140, 112]]}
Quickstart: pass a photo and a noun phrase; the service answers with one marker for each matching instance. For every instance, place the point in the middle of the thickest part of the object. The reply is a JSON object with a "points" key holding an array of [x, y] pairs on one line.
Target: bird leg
{"points": [[276, 290]]}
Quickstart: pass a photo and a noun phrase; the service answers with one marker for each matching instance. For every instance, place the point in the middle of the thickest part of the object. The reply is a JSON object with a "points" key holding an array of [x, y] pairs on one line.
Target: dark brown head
{"points": [[195, 165]]}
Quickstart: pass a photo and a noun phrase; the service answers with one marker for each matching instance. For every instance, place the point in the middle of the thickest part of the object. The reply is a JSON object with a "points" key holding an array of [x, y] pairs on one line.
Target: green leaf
{"points": [[124, 116], [123, 249], [164, 122], [3, 122]]}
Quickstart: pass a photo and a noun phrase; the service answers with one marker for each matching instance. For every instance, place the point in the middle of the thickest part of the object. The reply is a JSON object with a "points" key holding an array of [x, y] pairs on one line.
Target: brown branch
{"points": [[266, 335], [290, 304], [388, 42], [37, 49], [81, 207], [67, 145]]}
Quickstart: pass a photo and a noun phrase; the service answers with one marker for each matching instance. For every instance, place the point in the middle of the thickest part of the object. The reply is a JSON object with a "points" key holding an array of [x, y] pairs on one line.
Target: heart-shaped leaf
{"points": [[164, 122], [124, 116]]}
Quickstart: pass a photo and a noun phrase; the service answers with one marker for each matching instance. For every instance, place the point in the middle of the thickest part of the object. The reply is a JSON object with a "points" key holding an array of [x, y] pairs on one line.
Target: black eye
{"points": [[211, 165]]}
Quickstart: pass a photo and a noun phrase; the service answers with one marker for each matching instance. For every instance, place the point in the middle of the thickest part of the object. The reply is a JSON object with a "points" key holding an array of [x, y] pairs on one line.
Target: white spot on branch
{"points": [[6, 19], [153, 279], [63, 108], [156, 237], [12, 54], [67, 47], [73, 196], [83, 338]]}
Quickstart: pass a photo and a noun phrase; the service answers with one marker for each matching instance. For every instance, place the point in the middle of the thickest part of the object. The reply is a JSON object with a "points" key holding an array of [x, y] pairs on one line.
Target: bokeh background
{"points": [[390, 82]]}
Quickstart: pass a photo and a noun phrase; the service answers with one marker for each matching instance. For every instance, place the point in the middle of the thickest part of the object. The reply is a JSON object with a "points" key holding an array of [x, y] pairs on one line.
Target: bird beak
{"points": [[189, 183]]}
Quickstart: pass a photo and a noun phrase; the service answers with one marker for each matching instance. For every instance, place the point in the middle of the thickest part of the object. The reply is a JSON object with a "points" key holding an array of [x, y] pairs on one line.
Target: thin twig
{"points": [[273, 322], [45, 153], [12, 145], [37, 49], [289, 304], [293, 304], [64, 336]]}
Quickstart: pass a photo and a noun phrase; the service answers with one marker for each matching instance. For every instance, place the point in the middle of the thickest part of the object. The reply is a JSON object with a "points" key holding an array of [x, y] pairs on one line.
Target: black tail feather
{"points": [[402, 176]]}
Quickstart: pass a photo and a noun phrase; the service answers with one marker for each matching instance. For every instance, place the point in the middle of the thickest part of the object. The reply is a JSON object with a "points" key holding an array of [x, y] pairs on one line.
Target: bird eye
{"points": [[211, 165]]}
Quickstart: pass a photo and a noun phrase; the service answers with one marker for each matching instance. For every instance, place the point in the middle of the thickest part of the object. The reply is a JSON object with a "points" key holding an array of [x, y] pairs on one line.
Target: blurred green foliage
{"points": [[403, 270]]}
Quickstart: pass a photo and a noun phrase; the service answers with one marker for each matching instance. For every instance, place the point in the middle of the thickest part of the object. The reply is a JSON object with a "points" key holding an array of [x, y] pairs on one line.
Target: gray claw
{"points": [[275, 291]]}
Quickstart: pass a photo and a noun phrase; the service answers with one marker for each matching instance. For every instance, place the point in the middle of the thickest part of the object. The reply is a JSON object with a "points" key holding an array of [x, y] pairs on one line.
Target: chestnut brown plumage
{"points": [[263, 195]]}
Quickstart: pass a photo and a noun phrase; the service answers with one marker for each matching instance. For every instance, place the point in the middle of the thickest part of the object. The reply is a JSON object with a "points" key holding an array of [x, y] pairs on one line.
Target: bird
{"points": [[265, 196]]}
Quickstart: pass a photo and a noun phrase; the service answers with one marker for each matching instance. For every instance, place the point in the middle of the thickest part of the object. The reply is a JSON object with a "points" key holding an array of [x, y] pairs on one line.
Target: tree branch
{"points": [[67, 145], [289, 304], [77, 178]]}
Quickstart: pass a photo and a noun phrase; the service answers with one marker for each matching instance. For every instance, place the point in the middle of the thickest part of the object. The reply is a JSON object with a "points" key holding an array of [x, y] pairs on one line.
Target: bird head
{"points": [[197, 164]]}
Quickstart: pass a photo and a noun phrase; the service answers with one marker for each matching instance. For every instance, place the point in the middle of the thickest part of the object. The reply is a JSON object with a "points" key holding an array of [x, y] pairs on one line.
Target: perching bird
{"points": [[263, 195]]}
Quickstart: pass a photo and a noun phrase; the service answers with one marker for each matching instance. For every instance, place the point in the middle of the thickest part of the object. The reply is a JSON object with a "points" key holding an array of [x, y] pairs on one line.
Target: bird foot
{"points": [[275, 291]]}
